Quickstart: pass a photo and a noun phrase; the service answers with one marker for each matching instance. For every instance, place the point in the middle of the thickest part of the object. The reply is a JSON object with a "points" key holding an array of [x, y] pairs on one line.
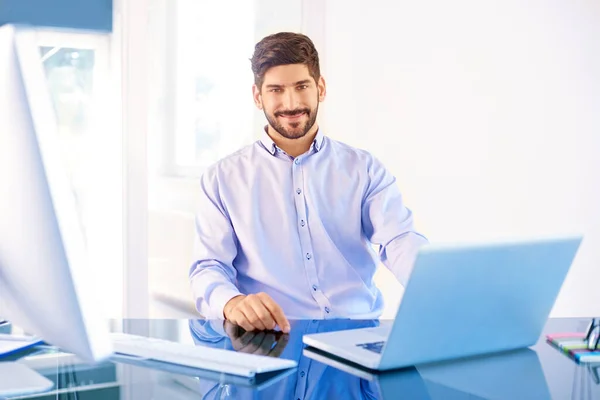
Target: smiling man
{"points": [[285, 226]]}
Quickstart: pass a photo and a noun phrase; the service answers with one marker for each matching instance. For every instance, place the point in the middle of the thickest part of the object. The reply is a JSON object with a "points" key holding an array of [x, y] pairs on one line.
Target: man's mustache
{"points": [[291, 113]]}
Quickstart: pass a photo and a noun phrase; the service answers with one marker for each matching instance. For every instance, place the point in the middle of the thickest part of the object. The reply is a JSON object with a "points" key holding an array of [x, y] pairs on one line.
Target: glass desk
{"points": [[540, 372]]}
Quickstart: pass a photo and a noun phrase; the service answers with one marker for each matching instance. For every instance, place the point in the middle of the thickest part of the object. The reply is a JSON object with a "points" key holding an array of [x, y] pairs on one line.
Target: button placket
{"points": [[298, 171]]}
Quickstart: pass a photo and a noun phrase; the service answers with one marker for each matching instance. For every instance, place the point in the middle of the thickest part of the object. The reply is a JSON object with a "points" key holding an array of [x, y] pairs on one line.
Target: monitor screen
{"points": [[44, 287]]}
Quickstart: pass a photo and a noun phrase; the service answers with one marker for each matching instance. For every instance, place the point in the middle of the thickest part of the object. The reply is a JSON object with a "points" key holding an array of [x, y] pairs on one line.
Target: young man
{"points": [[285, 225]]}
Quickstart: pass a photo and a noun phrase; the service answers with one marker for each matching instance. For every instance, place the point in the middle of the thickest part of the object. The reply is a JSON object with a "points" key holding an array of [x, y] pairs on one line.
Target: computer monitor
{"points": [[44, 286]]}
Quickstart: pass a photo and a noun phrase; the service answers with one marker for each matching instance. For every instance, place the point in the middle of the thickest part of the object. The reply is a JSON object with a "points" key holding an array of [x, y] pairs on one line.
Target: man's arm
{"points": [[213, 276], [387, 222]]}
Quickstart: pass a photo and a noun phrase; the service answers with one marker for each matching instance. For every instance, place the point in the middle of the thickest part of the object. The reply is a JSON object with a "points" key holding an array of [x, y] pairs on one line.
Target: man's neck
{"points": [[293, 147]]}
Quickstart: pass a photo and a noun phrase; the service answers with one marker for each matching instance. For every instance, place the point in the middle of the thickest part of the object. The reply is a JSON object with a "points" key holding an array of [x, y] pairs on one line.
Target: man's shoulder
{"points": [[234, 161], [356, 153]]}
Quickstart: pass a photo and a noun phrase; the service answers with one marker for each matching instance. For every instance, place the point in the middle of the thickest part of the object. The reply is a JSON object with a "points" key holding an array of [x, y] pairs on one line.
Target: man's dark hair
{"points": [[284, 48]]}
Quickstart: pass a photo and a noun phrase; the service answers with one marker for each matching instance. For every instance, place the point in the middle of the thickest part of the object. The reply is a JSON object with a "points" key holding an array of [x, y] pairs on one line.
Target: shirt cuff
{"points": [[219, 297]]}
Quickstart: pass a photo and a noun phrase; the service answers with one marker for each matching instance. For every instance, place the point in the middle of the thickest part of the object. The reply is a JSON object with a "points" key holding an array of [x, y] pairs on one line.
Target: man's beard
{"points": [[297, 130]]}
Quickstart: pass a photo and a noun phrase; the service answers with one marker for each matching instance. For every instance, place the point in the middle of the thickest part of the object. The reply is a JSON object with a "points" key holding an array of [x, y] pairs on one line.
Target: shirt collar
{"points": [[271, 147], [268, 142], [318, 142]]}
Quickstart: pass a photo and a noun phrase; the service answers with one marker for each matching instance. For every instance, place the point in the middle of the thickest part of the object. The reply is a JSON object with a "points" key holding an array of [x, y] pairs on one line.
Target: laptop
{"points": [[461, 301]]}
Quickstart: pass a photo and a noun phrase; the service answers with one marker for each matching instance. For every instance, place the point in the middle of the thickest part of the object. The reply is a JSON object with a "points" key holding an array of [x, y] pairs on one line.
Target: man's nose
{"points": [[290, 100]]}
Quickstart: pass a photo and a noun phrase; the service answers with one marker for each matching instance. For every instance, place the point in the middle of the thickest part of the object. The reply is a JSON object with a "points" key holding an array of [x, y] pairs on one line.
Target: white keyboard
{"points": [[220, 360]]}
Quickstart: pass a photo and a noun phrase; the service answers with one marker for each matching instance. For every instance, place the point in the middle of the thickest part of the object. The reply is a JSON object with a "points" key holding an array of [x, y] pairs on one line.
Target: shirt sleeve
{"points": [[388, 223], [213, 275]]}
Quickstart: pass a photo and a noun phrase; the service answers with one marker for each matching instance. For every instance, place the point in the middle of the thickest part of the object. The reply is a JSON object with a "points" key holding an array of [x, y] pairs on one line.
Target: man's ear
{"points": [[257, 97], [322, 87]]}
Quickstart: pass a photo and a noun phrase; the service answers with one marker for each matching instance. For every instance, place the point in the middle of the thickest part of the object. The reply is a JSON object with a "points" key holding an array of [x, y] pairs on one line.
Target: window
{"points": [[214, 113], [201, 82]]}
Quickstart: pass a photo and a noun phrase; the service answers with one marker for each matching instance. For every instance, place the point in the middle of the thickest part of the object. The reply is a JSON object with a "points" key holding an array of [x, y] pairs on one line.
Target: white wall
{"points": [[486, 112]]}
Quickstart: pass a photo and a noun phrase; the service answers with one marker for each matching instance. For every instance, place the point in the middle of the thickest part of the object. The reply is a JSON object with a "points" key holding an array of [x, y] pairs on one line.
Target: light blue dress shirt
{"points": [[300, 229]]}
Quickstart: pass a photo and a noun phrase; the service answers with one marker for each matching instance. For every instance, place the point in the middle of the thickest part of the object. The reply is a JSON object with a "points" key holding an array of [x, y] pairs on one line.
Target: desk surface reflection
{"points": [[540, 372]]}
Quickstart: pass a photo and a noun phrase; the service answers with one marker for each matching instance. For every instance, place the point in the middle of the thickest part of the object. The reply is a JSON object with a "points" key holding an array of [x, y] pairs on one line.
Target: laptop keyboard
{"points": [[375, 347]]}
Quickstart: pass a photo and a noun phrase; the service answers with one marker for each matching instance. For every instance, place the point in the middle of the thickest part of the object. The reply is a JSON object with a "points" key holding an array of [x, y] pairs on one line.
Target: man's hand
{"points": [[263, 343], [255, 312]]}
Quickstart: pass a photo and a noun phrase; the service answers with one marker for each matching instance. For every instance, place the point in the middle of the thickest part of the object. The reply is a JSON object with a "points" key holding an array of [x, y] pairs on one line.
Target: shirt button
{"points": [[327, 310], [315, 288], [302, 374], [308, 256], [302, 222], [298, 191], [297, 161]]}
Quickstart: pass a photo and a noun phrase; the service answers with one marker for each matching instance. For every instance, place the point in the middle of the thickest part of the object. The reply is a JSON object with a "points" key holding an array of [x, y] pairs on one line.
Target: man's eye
{"points": [[275, 90], [302, 87]]}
